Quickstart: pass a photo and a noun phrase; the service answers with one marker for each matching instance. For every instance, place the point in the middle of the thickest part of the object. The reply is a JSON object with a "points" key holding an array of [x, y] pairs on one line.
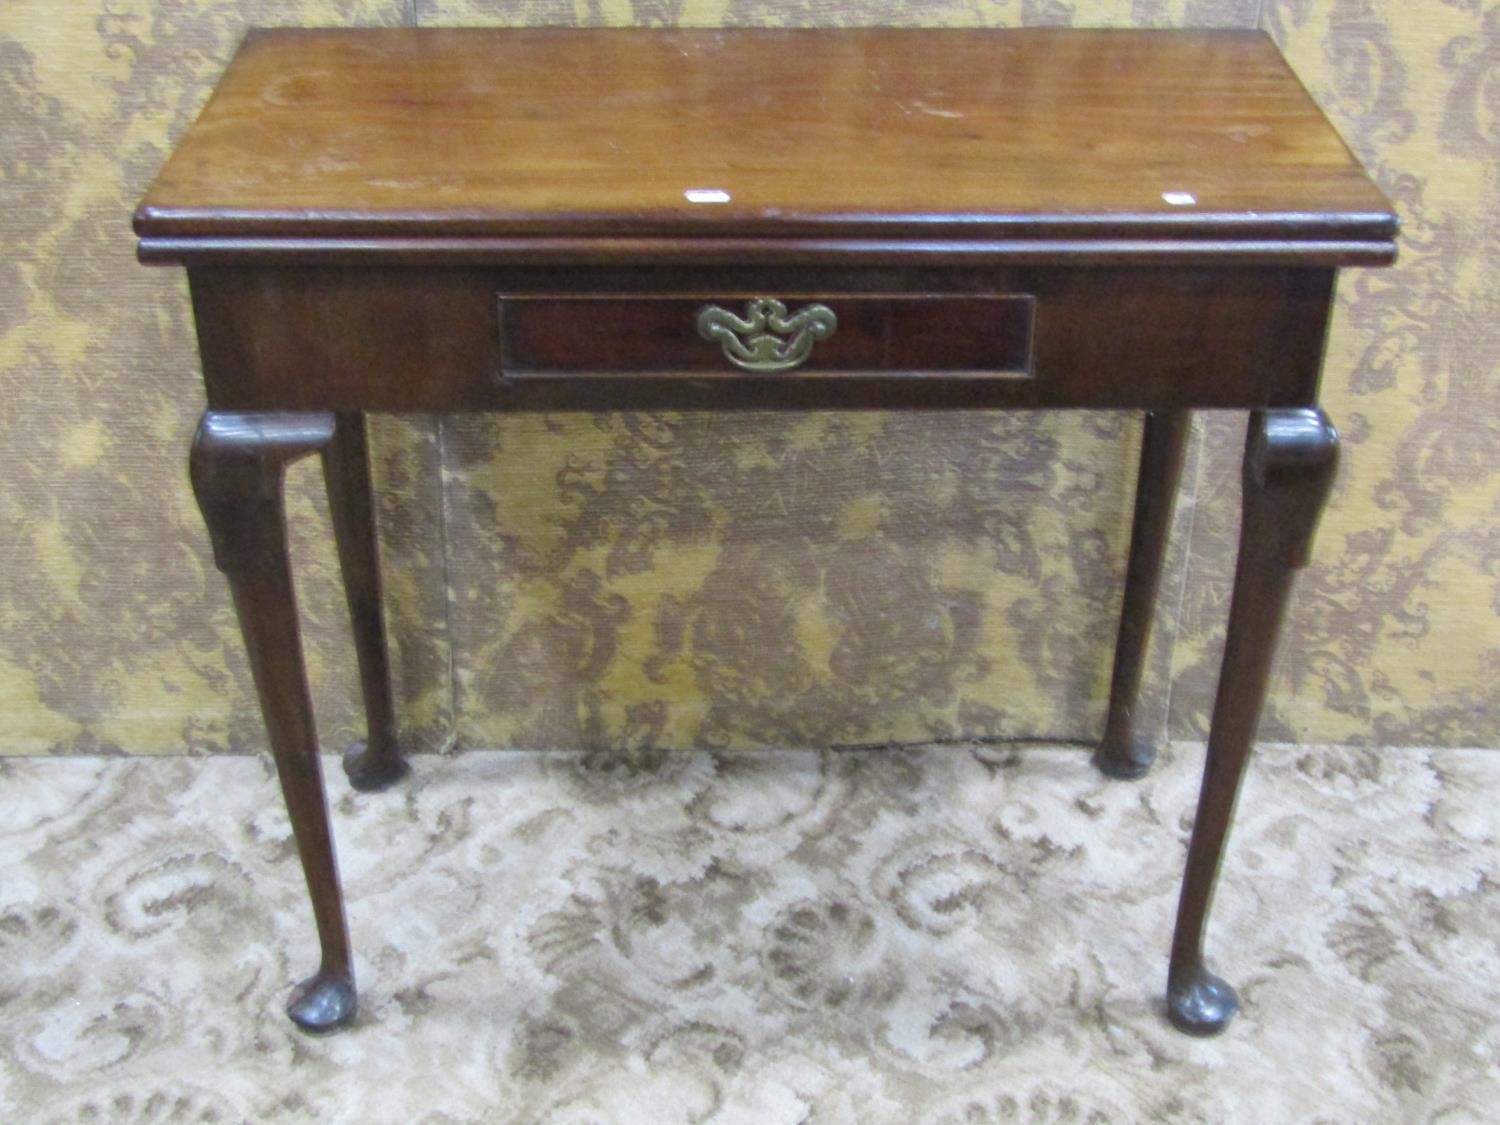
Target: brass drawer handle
{"points": [[764, 325]]}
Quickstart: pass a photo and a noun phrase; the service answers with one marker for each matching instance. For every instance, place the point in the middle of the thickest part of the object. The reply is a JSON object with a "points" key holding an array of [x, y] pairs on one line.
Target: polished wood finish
{"points": [[401, 220], [1290, 458], [377, 762], [1123, 753], [1224, 249], [400, 339], [906, 336], [238, 464], [894, 136]]}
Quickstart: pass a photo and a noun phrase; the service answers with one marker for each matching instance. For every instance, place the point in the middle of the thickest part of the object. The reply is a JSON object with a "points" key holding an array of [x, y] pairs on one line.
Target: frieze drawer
{"points": [[547, 337]]}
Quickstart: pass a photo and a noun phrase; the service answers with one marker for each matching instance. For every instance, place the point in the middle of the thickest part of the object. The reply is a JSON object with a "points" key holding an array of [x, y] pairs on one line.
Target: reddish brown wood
{"points": [[401, 339], [464, 250], [237, 466], [1290, 458], [375, 763], [906, 336], [1124, 753], [893, 136], [358, 206]]}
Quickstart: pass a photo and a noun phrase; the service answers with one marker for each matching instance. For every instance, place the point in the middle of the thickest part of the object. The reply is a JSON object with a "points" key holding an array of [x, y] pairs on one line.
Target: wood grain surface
{"points": [[393, 338], [884, 134]]}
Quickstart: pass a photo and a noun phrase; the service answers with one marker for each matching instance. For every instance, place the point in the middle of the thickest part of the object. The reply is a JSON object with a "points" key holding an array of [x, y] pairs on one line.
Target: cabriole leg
{"points": [[375, 763], [1290, 457], [238, 464], [1124, 753]]}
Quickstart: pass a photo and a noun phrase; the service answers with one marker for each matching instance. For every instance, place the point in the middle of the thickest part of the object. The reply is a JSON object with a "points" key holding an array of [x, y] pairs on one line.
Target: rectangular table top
{"points": [[1106, 139]]}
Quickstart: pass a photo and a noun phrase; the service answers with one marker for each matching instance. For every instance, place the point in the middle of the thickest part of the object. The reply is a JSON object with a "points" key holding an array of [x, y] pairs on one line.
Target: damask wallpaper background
{"points": [[658, 581]]}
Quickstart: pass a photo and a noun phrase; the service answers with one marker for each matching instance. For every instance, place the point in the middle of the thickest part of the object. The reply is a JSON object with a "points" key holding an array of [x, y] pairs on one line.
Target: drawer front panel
{"points": [[550, 337]]}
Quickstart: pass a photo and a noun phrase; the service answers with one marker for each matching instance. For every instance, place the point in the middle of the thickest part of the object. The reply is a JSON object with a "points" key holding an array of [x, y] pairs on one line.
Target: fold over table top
{"points": [[564, 145]]}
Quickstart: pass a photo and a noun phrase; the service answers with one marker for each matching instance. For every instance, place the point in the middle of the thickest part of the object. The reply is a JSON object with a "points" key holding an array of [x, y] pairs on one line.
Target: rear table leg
{"points": [[375, 763], [1123, 753]]}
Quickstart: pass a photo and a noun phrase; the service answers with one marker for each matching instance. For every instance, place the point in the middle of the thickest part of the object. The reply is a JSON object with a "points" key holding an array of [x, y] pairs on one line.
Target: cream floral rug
{"points": [[957, 934]]}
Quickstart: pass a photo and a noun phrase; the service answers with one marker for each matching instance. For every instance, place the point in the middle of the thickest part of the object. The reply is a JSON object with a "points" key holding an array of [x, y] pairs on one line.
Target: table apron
{"points": [[420, 339]]}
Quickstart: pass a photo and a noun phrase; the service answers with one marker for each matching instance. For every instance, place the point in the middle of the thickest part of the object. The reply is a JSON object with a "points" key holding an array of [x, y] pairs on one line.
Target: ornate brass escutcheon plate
{"points": [[766, 338]]}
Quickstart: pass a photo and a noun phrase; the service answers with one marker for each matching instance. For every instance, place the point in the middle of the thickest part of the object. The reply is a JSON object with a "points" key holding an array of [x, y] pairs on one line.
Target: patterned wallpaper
{"points": [[658, 581], [1395, 629]]}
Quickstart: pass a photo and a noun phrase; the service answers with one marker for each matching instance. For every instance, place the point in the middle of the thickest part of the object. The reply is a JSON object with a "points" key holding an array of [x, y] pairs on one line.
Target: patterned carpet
{"points": [[956, 934]]}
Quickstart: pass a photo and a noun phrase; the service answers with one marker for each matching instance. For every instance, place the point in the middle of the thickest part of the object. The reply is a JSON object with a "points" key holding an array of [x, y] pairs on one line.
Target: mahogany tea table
{"points": [[566, 220]]}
